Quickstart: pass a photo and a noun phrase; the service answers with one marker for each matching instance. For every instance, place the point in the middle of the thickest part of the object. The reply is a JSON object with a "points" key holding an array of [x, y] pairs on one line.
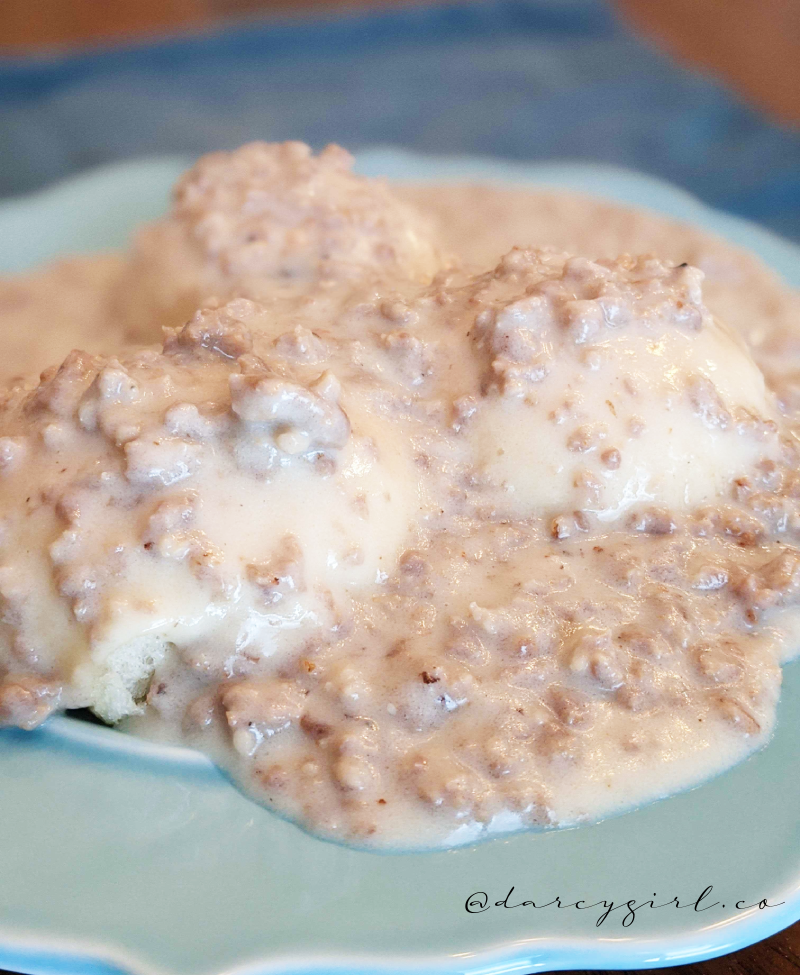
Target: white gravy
{"points": [[427, 533]]}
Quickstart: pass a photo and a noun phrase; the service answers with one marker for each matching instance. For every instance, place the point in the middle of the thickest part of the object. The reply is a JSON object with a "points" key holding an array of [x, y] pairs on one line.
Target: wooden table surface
{"points": [[752, 45]]}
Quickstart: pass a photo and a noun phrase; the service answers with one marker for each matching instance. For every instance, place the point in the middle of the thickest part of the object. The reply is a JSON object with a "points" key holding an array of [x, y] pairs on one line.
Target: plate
{"points": [[119, 856]]}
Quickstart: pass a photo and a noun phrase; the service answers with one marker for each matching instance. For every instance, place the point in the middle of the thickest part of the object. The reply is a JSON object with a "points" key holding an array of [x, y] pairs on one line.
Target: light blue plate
{"points": [[119, 856]]}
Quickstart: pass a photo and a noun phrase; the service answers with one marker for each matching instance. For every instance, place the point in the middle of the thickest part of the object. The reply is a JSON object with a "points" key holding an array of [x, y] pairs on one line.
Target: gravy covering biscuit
{"points": [[422, 550]]}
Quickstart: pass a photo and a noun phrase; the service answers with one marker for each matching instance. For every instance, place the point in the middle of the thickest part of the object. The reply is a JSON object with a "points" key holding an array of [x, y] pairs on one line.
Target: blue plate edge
{"points": [[63, 958]]}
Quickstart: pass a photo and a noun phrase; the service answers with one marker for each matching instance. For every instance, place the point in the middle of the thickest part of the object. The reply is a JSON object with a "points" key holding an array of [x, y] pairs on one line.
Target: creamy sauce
{"points": [[424, 542], [46, 313]]}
